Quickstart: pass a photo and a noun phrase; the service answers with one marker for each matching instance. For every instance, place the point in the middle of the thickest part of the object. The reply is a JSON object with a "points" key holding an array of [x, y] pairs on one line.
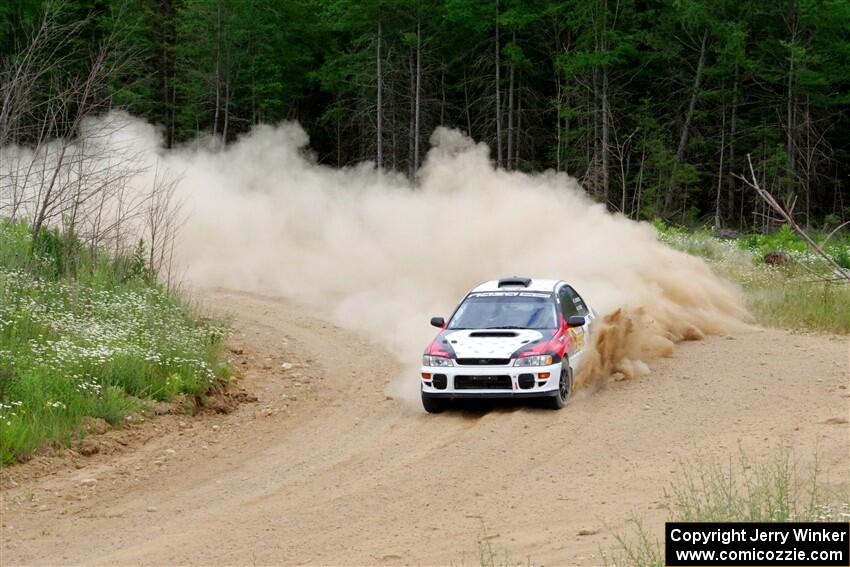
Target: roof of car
{"points": [[535, 284]]}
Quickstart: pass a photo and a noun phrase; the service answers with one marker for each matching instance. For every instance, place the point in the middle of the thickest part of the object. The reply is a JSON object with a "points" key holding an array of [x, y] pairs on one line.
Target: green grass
{"points": [[799, 303], [793, 296], [94, 338], [775, 491]]}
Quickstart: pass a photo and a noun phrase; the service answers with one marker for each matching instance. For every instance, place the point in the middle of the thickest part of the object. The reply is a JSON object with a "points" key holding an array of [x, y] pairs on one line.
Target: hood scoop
{"points": [[494, 334], [490, 344]]}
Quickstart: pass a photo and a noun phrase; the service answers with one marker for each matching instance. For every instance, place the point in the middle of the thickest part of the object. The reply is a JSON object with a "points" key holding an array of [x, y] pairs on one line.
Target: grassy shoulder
{"points": [[741, 490], [795, 294], [778, 490], [96, 337]]}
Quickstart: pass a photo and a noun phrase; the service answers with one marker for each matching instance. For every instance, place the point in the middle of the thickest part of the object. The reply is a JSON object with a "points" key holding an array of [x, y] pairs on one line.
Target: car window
{"points": [[505, 311], [571, 302], [568, 308]]}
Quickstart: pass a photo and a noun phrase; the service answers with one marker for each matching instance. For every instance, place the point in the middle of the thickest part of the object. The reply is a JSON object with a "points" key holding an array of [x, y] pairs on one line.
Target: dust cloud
{"points": [[379, 255]]}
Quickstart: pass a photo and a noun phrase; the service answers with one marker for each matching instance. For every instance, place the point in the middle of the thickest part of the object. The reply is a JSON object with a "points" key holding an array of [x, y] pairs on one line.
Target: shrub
{"points": [[94, 342]]}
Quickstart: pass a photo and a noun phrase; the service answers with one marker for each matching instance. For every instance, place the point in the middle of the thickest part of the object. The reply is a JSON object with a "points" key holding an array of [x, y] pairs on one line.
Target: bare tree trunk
{"points": [[255, 118], [558, 121], [338, 142], [789, 111], [510, 114], [70, 223], [466, 104], [590, 143], [639, 188], [686, 127], [167, 72], [623, 155], [45, 202], [411, 171], [442, 94], [173, 117], [809, 157], [498, 96], [623, 172], [789, 116], [605, 110], [730, 179], [226, 111], [596, 153], [217, 71], [518, 127], [418, 95], [379, 136], [394, 128], [558, 99], [717, 216], [683, 137], [605, 133]]}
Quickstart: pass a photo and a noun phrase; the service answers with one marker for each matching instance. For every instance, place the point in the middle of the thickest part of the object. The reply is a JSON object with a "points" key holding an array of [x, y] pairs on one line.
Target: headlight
{"points": [[436, 361], [537, 360]]}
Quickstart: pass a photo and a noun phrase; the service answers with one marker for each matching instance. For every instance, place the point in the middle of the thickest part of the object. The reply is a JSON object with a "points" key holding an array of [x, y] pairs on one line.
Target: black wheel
{"points": [[434, 405], [565, 388]]}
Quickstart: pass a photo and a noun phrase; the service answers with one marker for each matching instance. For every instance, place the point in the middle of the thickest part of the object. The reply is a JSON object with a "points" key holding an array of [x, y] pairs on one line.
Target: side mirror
{"points": [[439, 322], [575, 321]]}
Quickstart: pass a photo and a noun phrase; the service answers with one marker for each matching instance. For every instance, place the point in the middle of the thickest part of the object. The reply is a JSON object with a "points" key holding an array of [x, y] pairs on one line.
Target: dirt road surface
{"points": [[327, 469]]}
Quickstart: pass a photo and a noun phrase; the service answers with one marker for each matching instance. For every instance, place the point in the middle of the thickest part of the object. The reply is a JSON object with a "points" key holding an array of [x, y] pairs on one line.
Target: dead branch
{"points": [[841, 273], [835, 230]]}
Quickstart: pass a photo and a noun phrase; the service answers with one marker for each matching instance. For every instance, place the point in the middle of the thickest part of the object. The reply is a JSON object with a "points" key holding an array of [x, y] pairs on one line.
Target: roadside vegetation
{"points": [[798, 290], [87, 335], [775, 491]]}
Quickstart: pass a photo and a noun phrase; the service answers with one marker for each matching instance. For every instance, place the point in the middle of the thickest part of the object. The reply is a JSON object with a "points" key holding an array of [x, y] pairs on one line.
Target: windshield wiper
{"points": [[506, 327]]}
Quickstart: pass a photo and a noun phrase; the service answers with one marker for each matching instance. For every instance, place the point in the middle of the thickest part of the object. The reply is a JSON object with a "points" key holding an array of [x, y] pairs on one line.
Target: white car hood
{"points": [[467, 345]]}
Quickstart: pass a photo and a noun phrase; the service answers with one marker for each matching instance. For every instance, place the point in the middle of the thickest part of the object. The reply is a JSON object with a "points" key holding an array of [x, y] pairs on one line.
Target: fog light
{"points": [[440, 381], [543, 375], [525, 381]]}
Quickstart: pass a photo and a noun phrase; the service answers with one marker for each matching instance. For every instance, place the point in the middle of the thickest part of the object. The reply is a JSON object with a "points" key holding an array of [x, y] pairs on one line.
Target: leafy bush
{"points": [[96, 345], [782, 239]]}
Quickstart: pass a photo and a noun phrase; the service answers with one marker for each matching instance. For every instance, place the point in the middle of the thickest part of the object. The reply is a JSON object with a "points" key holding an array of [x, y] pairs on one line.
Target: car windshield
{"points": [[505, 312]]}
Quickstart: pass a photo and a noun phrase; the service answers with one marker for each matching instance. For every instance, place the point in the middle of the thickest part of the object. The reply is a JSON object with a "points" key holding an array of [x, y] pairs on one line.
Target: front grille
{"points": [[483, 383], [483, 361]]}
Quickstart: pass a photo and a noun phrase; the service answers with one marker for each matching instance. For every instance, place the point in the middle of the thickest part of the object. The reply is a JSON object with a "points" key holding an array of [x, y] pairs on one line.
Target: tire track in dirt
{"points": [[334, 472]]}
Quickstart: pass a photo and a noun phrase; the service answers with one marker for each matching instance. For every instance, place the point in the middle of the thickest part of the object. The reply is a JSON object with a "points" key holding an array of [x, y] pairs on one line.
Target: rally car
{"points": [[508, 338]]}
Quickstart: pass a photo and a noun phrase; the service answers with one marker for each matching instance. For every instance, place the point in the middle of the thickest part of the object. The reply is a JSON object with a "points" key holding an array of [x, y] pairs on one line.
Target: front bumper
{"points": [[490, 381]]}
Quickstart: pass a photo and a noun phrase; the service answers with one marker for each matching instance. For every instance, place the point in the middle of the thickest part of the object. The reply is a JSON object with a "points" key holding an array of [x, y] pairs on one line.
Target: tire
{"points": [[434, 405], [565, 389]]}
